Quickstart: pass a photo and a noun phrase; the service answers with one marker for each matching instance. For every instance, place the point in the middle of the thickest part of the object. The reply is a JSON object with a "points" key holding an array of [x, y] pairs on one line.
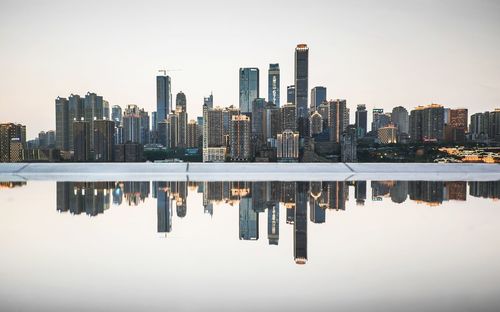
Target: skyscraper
{"points": [[400, 119], [249, 88], [209, 101], [240, 138], [318, 96], [75, 112], [290, 94], [288, 117], [316, 123], [62, 124], [95, 108], [192, 134], [301, 79], [257, 129], [163, 97], [336, 119], [427, 123], [273, 84], [135, 125], [116, 115], [214, 149], [376, 123], [180, 101], [361, 120]]}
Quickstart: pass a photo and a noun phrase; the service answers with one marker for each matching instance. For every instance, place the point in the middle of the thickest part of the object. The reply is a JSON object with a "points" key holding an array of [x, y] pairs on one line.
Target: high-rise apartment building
{"points": [[288, 117], [337, 119], [8, 133], [348, 145], [81, 140], [240, 138], [180, 102], [135, 125], [104, 140], [427, 123], [316, 123]]}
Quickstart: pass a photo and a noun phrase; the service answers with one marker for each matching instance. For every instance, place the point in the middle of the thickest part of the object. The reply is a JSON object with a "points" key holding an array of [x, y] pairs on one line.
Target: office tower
{"points": [[116, 115], [258, 106], [427, 123], [81, 140], [135, 125], [400, 118], [316, 123], [336, 119], [273, 84], [180, 102], [300, 224], [388, 134], [288, 117], [163, 97], [249, 220], [209, 101], [301, 73], [318, 96], [62, 124], [290, 94], [361, 120], [348, 145], [192, 134], [288, 146], [214, 149], [273, 223], [376, 123], [272, 122], [249, 88], [9, 131], [240, 137], [104, 136]]}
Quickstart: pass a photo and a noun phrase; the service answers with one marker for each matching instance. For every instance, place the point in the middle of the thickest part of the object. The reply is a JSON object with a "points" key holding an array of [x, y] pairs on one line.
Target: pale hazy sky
{"points": [[380, 53]]}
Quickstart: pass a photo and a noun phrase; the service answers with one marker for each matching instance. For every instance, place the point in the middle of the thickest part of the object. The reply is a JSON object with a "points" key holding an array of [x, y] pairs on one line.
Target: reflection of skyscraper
{"points": [[455, 190], [399, 192], [249, 220], [360, 192], [164, 208], [300, 224], [485, 189], [273, 224], [430, 192]]}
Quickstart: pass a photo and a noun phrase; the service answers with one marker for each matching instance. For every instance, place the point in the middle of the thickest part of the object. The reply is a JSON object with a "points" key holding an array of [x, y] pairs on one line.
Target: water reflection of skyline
{"points": [[301, 202]]}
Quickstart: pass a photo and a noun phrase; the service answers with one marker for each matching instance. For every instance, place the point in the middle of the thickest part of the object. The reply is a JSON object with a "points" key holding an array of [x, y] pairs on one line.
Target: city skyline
{"points": [[415, 55]]}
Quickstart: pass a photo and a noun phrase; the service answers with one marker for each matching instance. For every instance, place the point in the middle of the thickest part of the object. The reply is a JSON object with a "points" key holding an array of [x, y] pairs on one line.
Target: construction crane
{"points": [[165, 71]]}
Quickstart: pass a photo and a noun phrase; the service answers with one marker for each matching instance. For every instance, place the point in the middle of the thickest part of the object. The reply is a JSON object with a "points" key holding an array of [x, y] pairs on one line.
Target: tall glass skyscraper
{"points": [[301, 79], [318, 96], [361, 120], [273, 84], [163, 97], [249, 88], [290, 94]]}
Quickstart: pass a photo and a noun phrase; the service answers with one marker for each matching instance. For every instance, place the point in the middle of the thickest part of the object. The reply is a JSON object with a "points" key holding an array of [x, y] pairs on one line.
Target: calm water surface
{"points": [[250, 246]]}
